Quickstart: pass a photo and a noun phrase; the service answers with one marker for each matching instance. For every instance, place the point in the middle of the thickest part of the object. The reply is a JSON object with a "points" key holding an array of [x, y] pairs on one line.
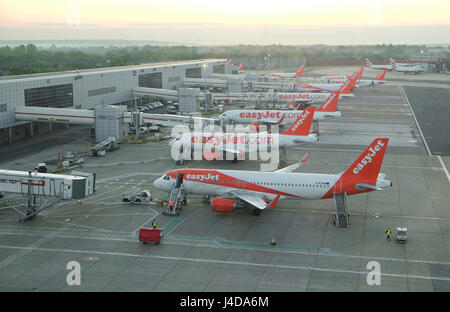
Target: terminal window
{"points": [[2, 108], [101, 91], [153, 80], [53, 96], [194, 72], [219, 69]]}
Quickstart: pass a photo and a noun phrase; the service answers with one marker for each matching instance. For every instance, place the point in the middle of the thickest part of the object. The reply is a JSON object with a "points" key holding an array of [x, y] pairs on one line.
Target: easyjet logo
{"points": [[203, 177], [329, 100], [268, 114], [369, 157], [294, 96], [260, 115], [232, 139], [300, 120]]}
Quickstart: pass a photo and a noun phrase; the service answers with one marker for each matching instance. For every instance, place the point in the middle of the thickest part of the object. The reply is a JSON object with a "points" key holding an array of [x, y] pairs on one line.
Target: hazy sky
{"points": [[229, 21]]}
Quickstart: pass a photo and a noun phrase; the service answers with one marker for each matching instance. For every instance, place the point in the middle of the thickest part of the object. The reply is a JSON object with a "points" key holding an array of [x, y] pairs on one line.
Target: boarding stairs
{"points": [[340, 202], [176, 197]]}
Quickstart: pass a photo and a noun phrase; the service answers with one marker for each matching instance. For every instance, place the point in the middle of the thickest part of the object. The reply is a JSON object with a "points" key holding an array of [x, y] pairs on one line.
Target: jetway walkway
{"points": [[87, 117], [46, 185], [272, 97]]}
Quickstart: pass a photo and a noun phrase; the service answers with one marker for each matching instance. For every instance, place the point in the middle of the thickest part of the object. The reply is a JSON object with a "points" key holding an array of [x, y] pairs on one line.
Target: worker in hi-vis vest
{"points": [[388, 234], [154, 224]]}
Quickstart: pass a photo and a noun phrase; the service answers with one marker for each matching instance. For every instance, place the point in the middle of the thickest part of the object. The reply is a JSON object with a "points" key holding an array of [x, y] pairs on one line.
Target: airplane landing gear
{"points": [[256, 212]]}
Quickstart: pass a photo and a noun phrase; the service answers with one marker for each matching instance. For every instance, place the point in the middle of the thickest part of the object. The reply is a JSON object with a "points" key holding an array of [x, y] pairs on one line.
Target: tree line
{"points": [[29, 59]]}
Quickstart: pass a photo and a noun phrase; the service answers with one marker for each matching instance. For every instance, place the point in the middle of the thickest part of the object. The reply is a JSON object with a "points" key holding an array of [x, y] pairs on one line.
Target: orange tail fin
{"points": [[303, 123], [300, 71], [330, 103], [229, 62], [381, 75], [367, 166], [360, 71], [346, 88], [241, 67]]}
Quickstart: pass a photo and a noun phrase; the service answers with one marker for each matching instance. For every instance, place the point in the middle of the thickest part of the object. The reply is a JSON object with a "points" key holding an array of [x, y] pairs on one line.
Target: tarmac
{"points": [[206, 251]]}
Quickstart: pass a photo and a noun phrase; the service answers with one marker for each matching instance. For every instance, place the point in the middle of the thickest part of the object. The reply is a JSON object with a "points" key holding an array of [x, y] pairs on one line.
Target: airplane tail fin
{"points": [[229, 62], [381, 75], [360, 71], [391, 60], [241, 67], [303, 123], [367, 166], [330, 103], [300, 71], [347, 86]]}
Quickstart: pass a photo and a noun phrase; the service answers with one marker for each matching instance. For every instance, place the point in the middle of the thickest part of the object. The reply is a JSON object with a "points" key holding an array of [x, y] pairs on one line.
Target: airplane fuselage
{"points": [[294, 185], [271, 116], [244, 141]]}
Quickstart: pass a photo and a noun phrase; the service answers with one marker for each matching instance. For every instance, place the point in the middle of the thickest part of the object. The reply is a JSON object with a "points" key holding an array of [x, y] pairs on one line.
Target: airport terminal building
{"points": [[86, 89]]}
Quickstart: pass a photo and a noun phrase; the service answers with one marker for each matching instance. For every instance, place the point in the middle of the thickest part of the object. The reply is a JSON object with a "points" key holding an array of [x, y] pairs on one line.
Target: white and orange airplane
{"points": [[214, 145], [361, 82], [241, 67], [261, 190], [297, 74], [282, 117]]}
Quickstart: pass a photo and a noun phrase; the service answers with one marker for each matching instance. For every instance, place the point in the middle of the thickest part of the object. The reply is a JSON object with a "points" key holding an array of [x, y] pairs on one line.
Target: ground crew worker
{"points": [[170, 204], [154, 224], [388, 234]]}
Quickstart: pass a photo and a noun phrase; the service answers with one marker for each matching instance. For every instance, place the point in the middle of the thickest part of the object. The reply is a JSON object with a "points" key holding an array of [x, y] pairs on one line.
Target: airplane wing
{"points": [[294, 166], [365, 186], [251, 198]]}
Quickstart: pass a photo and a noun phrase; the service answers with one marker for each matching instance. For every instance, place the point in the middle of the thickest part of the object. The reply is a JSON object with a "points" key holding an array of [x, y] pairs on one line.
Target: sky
{"points": [[230, 21]]}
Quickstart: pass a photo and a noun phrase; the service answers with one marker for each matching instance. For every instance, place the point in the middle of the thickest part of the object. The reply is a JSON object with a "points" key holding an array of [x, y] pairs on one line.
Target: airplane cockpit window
{"points": [[166, 177]]}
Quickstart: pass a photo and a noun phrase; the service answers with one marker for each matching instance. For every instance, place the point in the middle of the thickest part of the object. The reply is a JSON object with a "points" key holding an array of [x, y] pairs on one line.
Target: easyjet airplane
{"points": [[360, 82], [386, 67], [357, 74], [283, 117], [298, 73], [230, 189], [240, 143], [345, 86]]}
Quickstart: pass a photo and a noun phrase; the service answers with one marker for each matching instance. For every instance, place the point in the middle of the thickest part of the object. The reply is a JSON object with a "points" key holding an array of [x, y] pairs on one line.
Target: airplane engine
{"points": [[219, 204]]}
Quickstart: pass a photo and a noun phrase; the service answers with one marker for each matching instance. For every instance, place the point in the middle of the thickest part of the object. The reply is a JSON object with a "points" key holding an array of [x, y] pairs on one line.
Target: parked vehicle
{"points": [[171, 109], [137, 197]]}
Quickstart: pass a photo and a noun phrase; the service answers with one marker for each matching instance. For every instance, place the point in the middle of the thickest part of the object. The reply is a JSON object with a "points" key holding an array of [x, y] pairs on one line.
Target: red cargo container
{"points": [[150, 235]]}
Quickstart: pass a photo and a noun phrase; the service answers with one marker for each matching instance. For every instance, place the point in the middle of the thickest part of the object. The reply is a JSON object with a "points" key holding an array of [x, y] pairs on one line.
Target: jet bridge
{"points": [[33, 184], [271, 97]]}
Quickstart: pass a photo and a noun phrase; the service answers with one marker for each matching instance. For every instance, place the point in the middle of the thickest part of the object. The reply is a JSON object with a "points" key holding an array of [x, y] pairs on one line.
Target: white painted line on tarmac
{"points": [[148, 220], [224, 262], [417, 123], [444, 167], [214, 244], [423, 138]]}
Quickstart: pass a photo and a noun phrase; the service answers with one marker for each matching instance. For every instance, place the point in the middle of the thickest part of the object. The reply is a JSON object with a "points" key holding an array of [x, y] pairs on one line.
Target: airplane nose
{"points": [[157, 183]]}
